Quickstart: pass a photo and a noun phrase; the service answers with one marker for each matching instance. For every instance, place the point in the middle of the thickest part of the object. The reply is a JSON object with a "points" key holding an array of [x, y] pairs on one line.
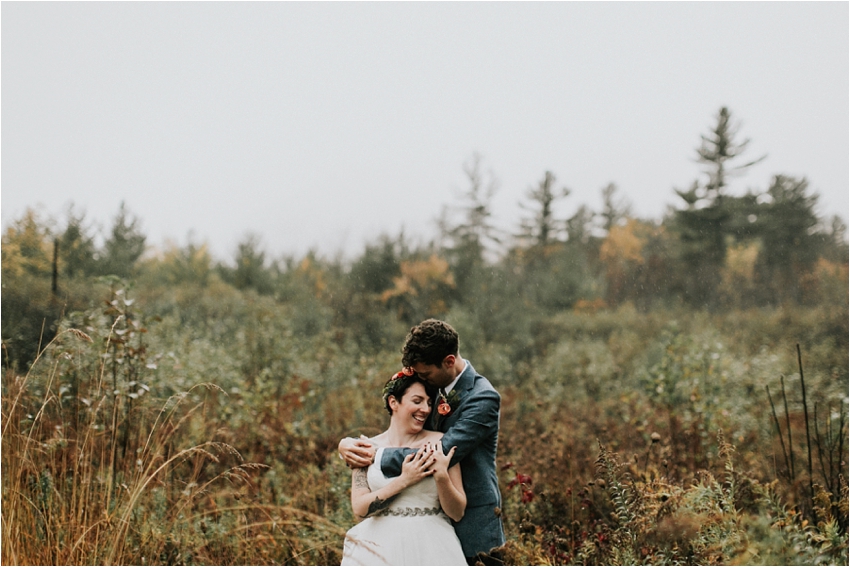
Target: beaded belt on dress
{"points": [[417, 511]]}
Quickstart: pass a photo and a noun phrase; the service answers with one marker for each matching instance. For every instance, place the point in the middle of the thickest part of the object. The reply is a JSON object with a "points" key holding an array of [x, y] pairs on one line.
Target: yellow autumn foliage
{"points": [[26, 247], [623, 244], [738, 275], [314, 274], [420, 285], [193, 263]]}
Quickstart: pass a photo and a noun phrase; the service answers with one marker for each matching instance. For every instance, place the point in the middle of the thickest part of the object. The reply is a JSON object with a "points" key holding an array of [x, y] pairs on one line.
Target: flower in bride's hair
{"points": [[395, 383], [406, 371]]}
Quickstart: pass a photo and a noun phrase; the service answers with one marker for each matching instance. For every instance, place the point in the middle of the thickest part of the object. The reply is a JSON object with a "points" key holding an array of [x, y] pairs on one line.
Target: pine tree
{"points": [[789, 241], [251, 271], [708, 216], [77, 251], [717, 149], [542, 228], [471, 237], [470, 240], [125, 245], [614, 210], [580, 226]]}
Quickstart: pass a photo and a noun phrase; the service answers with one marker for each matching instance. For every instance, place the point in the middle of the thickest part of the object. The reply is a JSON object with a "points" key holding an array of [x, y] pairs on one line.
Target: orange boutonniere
{"points": [[446, 404]]}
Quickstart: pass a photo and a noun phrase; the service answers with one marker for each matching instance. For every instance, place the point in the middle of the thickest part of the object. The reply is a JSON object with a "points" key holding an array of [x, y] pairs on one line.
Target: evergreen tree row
{"points": [[713, 251]]}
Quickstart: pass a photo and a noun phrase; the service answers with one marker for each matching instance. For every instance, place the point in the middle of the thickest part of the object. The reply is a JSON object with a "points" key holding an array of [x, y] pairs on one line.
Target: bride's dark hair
{"points": [[396, 387]]}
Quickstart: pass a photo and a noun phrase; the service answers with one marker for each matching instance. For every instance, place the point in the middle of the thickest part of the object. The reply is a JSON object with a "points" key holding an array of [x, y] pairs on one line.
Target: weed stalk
{"points": [[788, 426], [806, 417], [778, 430]]}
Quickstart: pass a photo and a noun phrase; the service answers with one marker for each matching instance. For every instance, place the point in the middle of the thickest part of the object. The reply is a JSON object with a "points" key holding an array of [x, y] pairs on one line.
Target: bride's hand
{"points": [[441, 461], [417, 466]]}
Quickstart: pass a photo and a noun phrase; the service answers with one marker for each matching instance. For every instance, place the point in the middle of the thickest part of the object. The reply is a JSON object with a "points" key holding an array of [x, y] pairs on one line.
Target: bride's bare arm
{"points": [[365, 502], [449, 483]]}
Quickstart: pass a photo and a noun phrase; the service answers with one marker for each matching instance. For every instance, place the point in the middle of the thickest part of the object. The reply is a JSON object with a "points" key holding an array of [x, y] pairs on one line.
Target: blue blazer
{"points": [[472, 427]]}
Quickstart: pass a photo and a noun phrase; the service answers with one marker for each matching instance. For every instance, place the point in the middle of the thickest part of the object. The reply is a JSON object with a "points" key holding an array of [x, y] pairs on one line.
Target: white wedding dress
{"points": [[412, 531]]}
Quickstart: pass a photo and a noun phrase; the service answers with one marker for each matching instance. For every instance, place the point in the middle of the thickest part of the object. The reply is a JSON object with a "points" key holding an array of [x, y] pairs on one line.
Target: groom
{"points": [[470, 421]]}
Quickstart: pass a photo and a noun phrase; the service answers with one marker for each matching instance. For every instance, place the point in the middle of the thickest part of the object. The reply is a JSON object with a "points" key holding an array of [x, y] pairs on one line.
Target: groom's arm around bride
{"points": [[472, 427], [470, 421]]}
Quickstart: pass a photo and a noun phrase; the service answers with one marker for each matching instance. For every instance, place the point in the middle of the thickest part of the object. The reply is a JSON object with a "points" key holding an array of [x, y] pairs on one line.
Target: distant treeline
{"points": [[713, 251]]}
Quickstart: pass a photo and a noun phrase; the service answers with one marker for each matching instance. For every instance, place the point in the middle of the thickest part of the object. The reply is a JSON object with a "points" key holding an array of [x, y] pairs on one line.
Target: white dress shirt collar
{"points": [[451, 386]]}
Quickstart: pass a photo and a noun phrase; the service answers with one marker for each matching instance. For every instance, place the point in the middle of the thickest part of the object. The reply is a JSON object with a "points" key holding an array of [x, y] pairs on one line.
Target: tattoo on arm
{"points": [[360, 479], [379, 505]]}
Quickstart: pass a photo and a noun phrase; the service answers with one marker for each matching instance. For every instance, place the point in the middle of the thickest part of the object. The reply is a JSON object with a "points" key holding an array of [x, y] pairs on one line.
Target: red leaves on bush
{"points": [[519, 479], [524, 481]]}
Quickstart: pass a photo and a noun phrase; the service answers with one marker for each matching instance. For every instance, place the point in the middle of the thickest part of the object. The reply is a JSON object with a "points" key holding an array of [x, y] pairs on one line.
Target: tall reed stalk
{"points": [[95, 472], [69, 483]]}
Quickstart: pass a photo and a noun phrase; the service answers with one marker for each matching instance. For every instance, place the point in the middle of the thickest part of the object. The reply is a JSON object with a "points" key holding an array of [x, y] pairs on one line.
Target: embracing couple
{"points": [[425, 490]]}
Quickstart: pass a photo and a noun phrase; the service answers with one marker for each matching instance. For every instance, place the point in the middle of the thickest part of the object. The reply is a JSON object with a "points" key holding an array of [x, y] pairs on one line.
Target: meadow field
{"points": [[199, 425], [673, 392]]}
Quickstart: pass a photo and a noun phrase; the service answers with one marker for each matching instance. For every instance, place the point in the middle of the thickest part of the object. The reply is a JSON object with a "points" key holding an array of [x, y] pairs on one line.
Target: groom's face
{"points": [[439, 376]]}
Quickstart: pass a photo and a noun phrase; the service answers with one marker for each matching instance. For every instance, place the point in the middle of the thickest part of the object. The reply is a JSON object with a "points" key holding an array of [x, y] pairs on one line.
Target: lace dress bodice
{"points": [[418, 500], [413, 530]]}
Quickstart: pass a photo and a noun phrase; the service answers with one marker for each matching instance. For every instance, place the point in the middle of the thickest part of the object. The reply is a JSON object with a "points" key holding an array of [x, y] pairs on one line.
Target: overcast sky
{"points": [[323, 125]]}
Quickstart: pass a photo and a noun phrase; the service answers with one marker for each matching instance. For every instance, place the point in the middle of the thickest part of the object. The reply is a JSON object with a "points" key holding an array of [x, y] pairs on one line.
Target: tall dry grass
{"points": [[96, 471], [117, 450]]}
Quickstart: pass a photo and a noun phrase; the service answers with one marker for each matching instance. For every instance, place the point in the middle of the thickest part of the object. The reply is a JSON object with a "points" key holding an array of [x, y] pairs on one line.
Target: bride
{"points": [[405, 520]]}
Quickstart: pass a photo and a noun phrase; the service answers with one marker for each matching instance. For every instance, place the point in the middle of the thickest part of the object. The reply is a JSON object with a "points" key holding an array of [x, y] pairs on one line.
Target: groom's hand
{"points": [[357, 453]]}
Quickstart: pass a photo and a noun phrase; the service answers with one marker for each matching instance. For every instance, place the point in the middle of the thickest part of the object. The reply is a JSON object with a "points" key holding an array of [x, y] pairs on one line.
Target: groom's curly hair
{"points": [[429, 342]]}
